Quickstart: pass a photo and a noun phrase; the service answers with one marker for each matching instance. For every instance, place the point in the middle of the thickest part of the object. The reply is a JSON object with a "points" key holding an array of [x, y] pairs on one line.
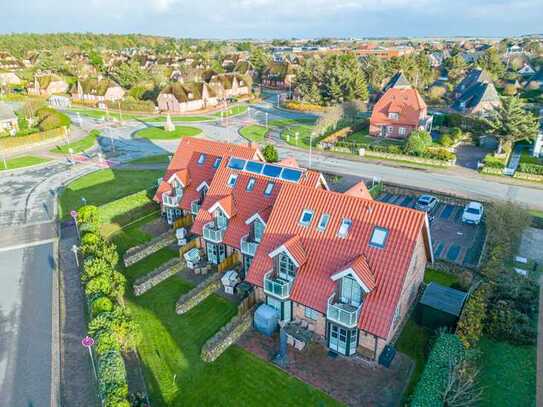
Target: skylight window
{"points": [[378, 237], [345, 227], [201, 159], [217, 162], [250, 184], [307, 216], [232, 180], [269, 189], [323, 222]]}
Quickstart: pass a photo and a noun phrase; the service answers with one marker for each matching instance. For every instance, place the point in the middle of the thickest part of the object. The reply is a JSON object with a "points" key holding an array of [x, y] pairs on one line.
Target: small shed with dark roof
{"points": [[440, 306]]}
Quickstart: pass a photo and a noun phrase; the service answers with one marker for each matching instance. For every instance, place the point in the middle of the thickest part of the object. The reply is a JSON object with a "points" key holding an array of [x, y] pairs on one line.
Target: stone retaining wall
{"points": [[199, 293], [137, 253], [227, 335], [158, 275]]}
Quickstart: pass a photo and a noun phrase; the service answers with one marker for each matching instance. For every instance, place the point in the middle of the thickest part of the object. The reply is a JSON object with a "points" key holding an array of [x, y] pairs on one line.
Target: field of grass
{"points": [[363, 137], [152, 159], [158, 133], [101, 187], [291, 122], [413, 342], [78, 146], [508, 374], [162, 119], [254, 132], [299, 136], [232, 111], [21, 162], [440, 277]]}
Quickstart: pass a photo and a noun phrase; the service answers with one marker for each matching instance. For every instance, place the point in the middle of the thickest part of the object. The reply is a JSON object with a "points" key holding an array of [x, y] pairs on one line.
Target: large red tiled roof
{"points": [[328, 254], [407, 102], [246, 203], [185, 164]]}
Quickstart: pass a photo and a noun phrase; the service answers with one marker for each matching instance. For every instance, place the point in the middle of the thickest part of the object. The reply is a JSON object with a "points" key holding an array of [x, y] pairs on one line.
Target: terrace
{"points": [[344, 314], [277, 286]]}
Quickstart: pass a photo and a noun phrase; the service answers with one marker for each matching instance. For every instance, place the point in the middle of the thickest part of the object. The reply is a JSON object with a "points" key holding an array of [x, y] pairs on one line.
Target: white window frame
{"points": [[311, 314], [304, 213], [269, 188], [402, 131], [345, 227], [379, 237], [232, 180], [201, 159], [250, 185], [323, 222]]}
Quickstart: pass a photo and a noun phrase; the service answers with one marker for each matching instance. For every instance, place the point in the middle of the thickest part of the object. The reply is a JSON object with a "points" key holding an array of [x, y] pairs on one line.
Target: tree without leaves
{"points": [[512, 123], [461, 389]]}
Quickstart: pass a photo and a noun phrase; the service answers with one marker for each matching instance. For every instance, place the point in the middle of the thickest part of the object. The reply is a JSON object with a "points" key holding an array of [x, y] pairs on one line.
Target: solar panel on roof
{"points": [[236, 163], [253, 166], [291, 175], [272, 170]]}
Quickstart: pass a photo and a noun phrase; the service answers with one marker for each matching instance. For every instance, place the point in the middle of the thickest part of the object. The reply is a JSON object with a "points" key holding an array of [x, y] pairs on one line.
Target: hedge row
{"points": [[447, 350], [534, 169], [302, 106], [110, 325], [471, 323], [494, 162], [432, 153]]}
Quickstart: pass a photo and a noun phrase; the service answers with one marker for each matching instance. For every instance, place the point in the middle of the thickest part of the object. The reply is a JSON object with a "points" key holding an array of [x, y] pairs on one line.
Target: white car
{"points": [[473, 213]]}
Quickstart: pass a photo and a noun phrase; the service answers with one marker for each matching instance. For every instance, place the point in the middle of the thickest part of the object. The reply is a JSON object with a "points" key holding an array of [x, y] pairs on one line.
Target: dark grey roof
{"points": [[537, 77], [473, 77], [478, 93], [444, 298], [397, 81]]}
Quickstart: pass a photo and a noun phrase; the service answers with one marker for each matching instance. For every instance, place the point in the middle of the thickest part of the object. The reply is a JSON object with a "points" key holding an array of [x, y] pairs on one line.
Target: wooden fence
{"points": [[247, 303], [229, 262], [183, 222], [190, 245]]}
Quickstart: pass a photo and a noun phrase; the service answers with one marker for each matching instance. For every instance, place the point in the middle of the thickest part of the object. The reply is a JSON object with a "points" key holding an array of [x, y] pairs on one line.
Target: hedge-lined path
{"points": [[77, 384]]}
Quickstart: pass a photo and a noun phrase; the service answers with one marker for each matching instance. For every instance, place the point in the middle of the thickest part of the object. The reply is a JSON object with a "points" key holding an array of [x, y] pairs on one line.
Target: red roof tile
{"points": [[359, 190], [407, 102], [293, 246], [247, 203], [185, 163], [327, 253]]}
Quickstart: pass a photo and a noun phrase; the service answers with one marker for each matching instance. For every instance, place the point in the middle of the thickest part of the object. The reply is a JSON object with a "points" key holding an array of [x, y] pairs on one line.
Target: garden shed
{"points": [[440, 306]]}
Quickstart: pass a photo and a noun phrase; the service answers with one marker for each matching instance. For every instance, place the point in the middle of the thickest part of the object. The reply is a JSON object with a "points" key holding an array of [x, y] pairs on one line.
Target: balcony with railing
{"points": [[277, 286], [195, 207], [171, 200], [214, 232], [341, 313], [248, 247]]}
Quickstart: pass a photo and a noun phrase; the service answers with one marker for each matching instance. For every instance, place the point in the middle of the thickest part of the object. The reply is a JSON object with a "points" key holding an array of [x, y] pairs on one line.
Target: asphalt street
{"points": [[26, 326]]}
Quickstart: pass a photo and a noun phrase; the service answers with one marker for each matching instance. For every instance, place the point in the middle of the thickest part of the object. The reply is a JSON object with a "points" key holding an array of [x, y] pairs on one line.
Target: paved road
{"points": [[26, 326]]}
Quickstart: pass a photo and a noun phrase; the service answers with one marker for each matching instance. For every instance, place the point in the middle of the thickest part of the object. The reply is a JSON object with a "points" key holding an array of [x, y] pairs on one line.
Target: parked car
{"points": [[426, 203], [473, 213]]}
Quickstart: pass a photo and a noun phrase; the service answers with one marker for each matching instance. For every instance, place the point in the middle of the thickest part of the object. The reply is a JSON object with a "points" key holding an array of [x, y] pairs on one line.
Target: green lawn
{"points": [[291, 122], [158, 133], [232, 111], [125, 210], [78, 146], [99, 114], [104, 186], [413, 342], [254, 132], [162, 119], [170, 347], [363, 137], [508, 374], [299, 136], [440, 277], [152, 159], [22, 161]]}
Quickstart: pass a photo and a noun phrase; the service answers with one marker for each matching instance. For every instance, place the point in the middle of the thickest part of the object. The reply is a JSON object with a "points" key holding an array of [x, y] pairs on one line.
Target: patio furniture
{"points": [[299, 345]]}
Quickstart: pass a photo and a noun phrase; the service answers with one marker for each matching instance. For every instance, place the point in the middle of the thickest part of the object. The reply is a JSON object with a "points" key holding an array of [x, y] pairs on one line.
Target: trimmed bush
{"points": [[429, 391], [94, 267], [270, 153], [88, 218], [100, 285], [106, 342], [492, 161], [438, 153], [112, 376], [418, 142], [446, 140], [534, 169], [470, 325], [101, 305]]}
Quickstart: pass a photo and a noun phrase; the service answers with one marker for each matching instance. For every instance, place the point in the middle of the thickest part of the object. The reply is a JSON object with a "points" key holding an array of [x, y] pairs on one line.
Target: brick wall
{"points": [[318, 326]]}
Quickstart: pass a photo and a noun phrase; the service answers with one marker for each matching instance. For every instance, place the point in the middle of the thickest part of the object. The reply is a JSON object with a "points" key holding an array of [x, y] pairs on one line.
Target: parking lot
{"points": [[452, 240]]}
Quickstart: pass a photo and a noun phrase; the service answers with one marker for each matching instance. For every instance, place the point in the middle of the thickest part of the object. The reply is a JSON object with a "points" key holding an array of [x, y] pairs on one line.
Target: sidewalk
{"points": [[77, 383]]}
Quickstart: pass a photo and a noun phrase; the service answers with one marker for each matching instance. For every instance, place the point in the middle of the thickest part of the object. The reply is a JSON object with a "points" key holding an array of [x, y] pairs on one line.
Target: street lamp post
{"points": [[74, 251], [73, 214], [88, 342]]}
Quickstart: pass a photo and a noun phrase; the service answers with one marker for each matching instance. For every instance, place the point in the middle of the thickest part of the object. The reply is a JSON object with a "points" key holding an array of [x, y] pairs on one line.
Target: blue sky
{"points": [[276, 18]]}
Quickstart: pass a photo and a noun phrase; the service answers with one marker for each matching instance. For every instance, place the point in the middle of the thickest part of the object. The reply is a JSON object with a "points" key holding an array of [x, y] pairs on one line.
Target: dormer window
{"points": [[217, 162], [286, 267], [323, 222], [393, 116], [351, 292], [250, 184], [345, 227], [307, 216], [269, 189], [201, 159], [220, 218], [232, 180], [378, 237], [258, 230]]}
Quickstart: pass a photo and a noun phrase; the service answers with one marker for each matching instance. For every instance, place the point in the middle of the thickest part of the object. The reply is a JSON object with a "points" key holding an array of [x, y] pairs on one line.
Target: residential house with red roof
{"points": [[238, 204], [190, 172], [398, 112], [347, 265]]}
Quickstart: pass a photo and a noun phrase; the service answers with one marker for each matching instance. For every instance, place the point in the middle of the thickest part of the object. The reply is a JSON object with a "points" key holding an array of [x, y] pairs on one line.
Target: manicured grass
{"points": [[78, 146], [440, 277], [292, 122], [254, 132], [232, 111], [21, 162], [302, 140], [508, 374], [101, 114], [125, 210], [162, 119], [413, 342], [153, 159], [101, 187], [158, 133], [363, 137]]}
